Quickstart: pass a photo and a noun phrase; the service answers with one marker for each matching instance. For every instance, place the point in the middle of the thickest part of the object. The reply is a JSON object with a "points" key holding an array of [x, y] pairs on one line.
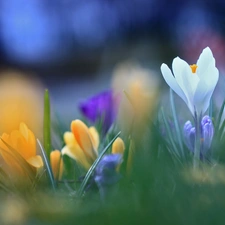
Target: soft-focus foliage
{"points": [[120, 171]]}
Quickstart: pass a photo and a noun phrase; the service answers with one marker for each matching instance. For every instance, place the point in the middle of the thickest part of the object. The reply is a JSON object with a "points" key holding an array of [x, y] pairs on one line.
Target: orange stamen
{"points": [[194, 68]]}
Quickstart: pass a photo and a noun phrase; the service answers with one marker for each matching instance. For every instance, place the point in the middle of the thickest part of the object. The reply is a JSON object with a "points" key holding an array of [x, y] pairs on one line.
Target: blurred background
{"points": [[73, 46]]}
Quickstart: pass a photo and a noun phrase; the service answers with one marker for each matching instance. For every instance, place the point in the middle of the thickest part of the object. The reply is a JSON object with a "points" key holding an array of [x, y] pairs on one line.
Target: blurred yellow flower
{"points": [[141, 88], [56, 164], [83, 142], [21, 99], [20, 141], [118, 146]]}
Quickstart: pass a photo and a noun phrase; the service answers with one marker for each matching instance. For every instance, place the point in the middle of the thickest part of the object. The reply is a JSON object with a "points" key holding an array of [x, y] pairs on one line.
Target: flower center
{"points": [[194, 68]]}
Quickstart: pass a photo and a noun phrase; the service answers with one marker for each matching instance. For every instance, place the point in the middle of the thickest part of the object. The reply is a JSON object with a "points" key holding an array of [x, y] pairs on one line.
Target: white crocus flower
{"points": [[194, 84]]}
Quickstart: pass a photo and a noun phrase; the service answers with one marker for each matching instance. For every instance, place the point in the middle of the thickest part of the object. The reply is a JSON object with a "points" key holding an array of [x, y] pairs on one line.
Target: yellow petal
{"points": [[19, 143], [69, 138], [29, 137], [36, 161], [24, 130], [94, 137], [56, 164], [76, 154], [6, 153], [83, 138], [73, 150], [118, 146]]}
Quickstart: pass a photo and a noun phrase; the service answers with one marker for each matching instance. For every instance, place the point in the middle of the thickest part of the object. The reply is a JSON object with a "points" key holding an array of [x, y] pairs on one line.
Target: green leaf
{"points": [[94, 165], [211, 108], [48, 166], [176, 123], [218, 121], [168, 130], [47, 124]]}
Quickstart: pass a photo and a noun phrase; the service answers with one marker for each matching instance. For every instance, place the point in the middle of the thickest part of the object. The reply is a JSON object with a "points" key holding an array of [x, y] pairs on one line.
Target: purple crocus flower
{"points": [[207, 132], [189, 135], [106, 173], [101, 106]]}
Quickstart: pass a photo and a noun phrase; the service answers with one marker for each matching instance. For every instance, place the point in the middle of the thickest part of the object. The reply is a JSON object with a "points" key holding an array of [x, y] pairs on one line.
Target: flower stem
{"points": [[197, 146]]}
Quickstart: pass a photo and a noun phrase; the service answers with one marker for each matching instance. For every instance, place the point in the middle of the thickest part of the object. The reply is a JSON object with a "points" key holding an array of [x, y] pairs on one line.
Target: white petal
{"points": [[211, 75], [204, 60], [205, 90], [171, 81], [186, 80], [184, 76]]}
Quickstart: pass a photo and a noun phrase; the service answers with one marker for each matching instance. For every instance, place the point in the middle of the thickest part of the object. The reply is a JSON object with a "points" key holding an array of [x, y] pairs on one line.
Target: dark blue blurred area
{"points": [[56, 33]]}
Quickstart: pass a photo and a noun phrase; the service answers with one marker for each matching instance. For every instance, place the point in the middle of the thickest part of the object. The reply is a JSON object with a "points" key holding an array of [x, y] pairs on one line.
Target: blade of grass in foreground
{"points": [[47, 124], [168, 130], [211, 108], [218, 120], [92, 168], [176, 123], [48, 167]]}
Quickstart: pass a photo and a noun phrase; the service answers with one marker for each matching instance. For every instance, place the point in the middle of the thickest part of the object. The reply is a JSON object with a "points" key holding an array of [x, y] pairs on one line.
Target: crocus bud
{"points": [[106, 174], [189, 135], [56, 164], [101, 106], [118, 146], [207, 130]]}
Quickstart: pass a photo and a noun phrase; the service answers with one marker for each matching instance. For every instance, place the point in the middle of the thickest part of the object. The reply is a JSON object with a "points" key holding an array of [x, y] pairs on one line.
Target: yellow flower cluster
{"points": [[82, 144]]}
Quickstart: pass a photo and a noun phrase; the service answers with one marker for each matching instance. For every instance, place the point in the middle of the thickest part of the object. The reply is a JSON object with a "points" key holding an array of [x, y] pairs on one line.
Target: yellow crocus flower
{"points": [[56, 164], [83, 142], [20, 141], [118, 146], [138, 88]]}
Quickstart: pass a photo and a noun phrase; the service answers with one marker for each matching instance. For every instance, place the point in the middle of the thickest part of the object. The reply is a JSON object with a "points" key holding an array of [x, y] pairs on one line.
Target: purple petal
{"points": [[105, 173], [207, 133], [100, 106], [189, 135]]}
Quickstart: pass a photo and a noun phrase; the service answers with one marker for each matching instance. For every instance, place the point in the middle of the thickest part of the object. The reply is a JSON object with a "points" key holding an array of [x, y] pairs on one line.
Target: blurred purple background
{"points": [[45, 35], [74, 42]]}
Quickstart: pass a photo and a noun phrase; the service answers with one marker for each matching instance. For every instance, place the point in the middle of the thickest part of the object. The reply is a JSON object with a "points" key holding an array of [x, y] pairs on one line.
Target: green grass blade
{"points": [[47, 165], [168, 130], [218, 121], [47, 124], [211, 108], [92, 168], [176, 123]]}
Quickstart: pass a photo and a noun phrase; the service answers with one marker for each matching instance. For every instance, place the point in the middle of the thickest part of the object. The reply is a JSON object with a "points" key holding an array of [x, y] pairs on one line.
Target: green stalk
{"points": [[47, 124], [47, 166], [176, 123], [197, 141]]}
